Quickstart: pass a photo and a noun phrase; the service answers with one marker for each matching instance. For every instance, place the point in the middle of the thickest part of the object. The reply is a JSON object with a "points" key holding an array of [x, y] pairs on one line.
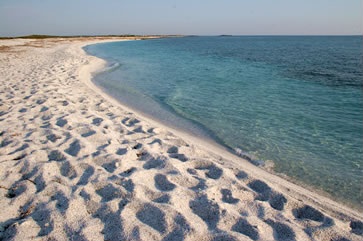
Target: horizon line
{"points": [[183, 35]]}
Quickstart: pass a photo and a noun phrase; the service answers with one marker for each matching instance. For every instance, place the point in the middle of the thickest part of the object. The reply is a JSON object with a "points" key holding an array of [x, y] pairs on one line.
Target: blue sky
{"points": [[200, 17]]}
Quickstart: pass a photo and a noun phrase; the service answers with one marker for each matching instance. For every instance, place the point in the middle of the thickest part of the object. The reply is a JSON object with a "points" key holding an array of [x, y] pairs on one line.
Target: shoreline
{"points": [[198, 179], [212, 145], [194, 128], [215, 142]]}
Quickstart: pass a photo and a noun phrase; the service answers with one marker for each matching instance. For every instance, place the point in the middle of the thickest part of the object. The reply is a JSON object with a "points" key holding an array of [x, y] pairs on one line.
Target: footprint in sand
{"points": [[23, 110], [44, 108], [213, 172], [130, 122], [121, 151], [97, 121], [281, 232], [200, 186], [109, 192], [138, 129], [61, 122], [56, 155], [227, 197], [242, 226], [128, 172], [53, 138], [153, 217], [112, 222], [87, 174], [87, 133], [111, 166], [22, 148], [207, 210], [157, 163], [162, 183], [174, 153], [241, 175], [40, 183], [181, 227], [62, 202], [42, 216], [162, 199], [265, 193], [16, 190], [67, 170], [137, 146], [309, 213], [128, 184], [73, 148], [357, 227]]}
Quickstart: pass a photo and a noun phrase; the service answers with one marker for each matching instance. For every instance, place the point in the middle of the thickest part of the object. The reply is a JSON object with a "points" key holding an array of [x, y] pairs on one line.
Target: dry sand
{"points": [[77, 165]]}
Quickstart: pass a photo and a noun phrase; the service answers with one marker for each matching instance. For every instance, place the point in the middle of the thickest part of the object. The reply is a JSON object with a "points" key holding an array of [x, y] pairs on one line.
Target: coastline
{"points": [[209, 136], [193, 189]]}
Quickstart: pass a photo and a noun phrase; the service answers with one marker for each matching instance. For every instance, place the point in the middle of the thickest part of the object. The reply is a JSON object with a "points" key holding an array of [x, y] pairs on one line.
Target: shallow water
{"points": [[295, 100]]}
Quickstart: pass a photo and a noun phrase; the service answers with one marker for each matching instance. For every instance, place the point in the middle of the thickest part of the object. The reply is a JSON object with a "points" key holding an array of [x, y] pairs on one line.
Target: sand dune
{"points": [[77, 165]]}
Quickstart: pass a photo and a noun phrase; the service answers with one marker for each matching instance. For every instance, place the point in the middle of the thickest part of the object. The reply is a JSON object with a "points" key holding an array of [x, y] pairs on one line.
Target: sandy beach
{"points": [[77, 165]]}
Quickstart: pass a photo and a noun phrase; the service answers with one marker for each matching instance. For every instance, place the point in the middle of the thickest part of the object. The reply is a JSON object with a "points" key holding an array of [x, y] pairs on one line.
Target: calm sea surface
{"points": [[295, 100]]}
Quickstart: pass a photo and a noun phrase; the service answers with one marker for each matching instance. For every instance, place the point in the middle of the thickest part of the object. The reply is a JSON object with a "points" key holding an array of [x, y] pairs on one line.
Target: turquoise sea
{"points": [[294, 100]]}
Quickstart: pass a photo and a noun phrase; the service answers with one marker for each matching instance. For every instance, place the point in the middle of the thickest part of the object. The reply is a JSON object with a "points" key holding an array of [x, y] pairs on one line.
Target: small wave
{"points": [[249, 157], [267, 165], [111, 67], [317, 73]]}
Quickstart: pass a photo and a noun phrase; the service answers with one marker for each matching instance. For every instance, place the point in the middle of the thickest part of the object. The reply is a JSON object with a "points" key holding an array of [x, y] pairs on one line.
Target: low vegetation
{"points": [[37, 36]]}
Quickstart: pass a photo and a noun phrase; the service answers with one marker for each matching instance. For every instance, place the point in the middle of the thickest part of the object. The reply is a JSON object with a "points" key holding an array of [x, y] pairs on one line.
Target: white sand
{"points": [[77, 165]]}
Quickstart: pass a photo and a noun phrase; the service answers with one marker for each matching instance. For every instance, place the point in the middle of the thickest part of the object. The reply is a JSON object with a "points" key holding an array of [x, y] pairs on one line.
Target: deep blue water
{"points": [[295, 100]]}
